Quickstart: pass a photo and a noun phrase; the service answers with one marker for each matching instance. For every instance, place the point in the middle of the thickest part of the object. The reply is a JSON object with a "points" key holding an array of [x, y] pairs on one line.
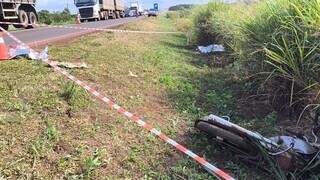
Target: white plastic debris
{"points": [[39, 56], [18, 51], [211, 48], [23, 51]]}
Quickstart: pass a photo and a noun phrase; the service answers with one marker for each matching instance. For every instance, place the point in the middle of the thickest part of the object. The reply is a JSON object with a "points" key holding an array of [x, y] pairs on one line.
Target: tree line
{"points": [[62, 17]]}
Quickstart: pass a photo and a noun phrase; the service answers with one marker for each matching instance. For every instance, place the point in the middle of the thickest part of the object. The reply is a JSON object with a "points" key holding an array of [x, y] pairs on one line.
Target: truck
{"points": [[99, 9], [18, 11], [136, 9]]}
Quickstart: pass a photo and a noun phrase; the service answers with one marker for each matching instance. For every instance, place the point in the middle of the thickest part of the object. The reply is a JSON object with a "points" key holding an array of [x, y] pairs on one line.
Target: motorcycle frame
{"points": [[265, 142]]}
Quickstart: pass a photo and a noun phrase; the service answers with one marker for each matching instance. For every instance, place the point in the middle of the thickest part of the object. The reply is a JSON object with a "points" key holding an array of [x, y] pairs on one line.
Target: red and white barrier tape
{"points": [[209, 167], [95, 29]]}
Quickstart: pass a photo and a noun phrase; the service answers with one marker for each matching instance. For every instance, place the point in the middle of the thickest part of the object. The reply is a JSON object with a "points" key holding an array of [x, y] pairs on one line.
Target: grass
{"points": [[273, 43], [283, 48], [272, 51], [75, 96], [51, 129]]}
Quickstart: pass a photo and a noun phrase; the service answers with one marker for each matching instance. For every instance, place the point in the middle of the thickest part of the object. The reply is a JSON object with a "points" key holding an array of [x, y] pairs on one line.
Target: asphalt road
{"points": [[45, 35]]}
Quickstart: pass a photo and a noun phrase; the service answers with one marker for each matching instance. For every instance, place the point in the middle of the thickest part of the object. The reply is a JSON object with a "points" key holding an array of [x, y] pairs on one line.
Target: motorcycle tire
{"points": [[223, 135]]}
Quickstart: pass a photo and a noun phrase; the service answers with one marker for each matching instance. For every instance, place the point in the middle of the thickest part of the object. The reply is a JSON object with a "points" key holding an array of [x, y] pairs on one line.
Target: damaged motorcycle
{"points": [[290, 154]]}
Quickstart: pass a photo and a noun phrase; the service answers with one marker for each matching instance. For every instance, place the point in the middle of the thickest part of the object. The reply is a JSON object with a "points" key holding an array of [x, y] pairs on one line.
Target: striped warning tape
{"points": [[95, 29], [209, 167]]}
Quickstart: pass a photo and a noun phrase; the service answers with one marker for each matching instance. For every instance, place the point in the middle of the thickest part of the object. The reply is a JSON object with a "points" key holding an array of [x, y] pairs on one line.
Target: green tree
{"points": [[44, 17], [56, 17]]}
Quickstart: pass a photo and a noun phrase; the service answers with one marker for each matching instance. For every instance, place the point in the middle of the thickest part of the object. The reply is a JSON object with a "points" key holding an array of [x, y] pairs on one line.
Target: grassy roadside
{"points": [[272, 47], [50, 128]]}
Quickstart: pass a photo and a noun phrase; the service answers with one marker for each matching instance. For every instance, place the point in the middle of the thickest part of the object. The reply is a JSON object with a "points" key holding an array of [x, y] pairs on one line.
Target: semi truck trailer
{"points": [[99, 9], [18, 11]]}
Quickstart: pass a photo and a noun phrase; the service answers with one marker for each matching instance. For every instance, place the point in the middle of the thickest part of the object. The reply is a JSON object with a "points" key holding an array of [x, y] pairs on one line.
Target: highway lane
{"points": [[44, 35]]}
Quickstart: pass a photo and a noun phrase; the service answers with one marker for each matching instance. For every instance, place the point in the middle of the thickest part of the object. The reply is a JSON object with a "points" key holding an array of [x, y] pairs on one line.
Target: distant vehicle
{"points": [[18, 11], [145, 12], [126, 12], [133, 13], [102, 9], [135, 6], [152, 12]]}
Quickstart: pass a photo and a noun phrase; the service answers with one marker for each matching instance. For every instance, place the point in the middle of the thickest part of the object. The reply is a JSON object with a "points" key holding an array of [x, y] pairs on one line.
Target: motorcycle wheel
{"points": [[224, 135]]}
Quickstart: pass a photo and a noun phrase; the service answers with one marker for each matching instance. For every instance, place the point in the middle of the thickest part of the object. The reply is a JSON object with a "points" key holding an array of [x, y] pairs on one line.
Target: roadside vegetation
{"points": [[181, 7], [63, 17], [52, 129], [272, 52], [275, 43]]}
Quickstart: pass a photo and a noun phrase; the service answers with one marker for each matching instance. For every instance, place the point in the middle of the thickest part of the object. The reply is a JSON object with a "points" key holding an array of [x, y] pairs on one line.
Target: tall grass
{"points": [[277, 41], [278, 44], [283, 45], [205, 23], [221, 24], [182, 21]]}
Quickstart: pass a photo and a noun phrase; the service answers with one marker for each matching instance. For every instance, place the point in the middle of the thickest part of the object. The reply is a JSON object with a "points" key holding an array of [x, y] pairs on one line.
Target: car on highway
{"points": [[152, 12]]}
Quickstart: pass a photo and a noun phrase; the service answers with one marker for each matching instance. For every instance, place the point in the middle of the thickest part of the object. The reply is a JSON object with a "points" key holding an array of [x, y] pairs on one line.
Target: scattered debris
{"points": [[24, 51], [211, 48], [44, 55], [132, 75], [70, 65]]}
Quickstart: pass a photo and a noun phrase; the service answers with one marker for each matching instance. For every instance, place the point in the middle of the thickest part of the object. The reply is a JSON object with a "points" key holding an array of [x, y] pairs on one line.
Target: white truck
{"points": [[136, 9], [18, 11], [99, 9]]}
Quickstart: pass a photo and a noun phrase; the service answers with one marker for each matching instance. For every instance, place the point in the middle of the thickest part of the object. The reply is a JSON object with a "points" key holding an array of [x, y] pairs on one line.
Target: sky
{"points": [[59, 5]]}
